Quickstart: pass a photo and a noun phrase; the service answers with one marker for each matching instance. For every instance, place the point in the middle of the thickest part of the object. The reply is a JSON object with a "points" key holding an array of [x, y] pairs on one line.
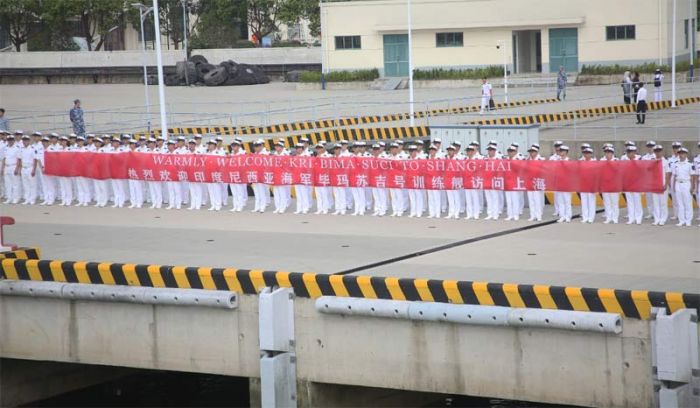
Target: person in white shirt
{"points": [[634, 199], [472, 196], [684, 173], [486, 95], [260, 190], [239, 191], [658, 85], [641, 104], [13, 182], [660, 200], [535, 198], [588, 198], [493, 202], [564, 197], [512, 197], [155, 188], [323, 193], [302, 191], [611, 200]]}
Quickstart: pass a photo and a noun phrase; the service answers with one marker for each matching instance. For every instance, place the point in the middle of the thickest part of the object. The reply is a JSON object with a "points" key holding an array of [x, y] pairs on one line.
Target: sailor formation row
{"points": [[22, 158]]}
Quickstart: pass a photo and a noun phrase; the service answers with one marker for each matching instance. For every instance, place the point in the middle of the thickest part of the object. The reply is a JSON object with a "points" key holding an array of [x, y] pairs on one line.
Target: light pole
{"points": [[410, 66], [673, 58], [505, 68], [184, 38], [143, 13], [159, 64], [691, 38]]}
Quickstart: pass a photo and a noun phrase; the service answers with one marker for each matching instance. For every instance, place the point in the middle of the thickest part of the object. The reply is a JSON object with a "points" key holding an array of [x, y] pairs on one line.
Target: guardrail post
{"points": [[675, 362], [277, 346]]}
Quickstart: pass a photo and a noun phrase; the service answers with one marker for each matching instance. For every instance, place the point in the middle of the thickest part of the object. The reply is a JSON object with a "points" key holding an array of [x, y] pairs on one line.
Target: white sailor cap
{"points": [[609, 148], [399, 142], [651, 143], [394, 144], [382, 144], [63, 138], [279, 144], [451, 147], [219, 139], [53, 134], [258, 142], [493, 142], [181, 138], [533, 148], [376, 146], [171, 141], [80, 138], [211, 141], [676, 144], [419, 142], [72, 135], [630, 143], [437, 140], [631, 148], [512, 148], [432, 147], [516, 144], [558, 143], [536, 145], [132, 141], [238, 139], [25, 137], [191, 141], [126, 136], [45, 139], [318, 146], [457, 143], [564, 147], [304, 140], [471, 146], [491, 147], [99, 139], [658, 147], [585, 145], [19, 132], [298, 146], [475, 143], [37, 133], [197, 136], [359, 143], [342, 142], [588, 150], [682, 150], [412, 147], [322, 142], [151, 140]]}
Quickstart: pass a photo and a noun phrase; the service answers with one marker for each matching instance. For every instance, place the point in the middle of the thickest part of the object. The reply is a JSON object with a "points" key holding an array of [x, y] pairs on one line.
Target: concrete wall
{"points": [[527, 364], [69, 59], [484, 22]]}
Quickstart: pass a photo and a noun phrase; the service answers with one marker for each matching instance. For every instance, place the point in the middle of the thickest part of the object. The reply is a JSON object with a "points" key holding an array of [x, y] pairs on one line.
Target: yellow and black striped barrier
{"points": [[21, 253], [340, 122], [635, 304], [580, 113], [353, 135]]}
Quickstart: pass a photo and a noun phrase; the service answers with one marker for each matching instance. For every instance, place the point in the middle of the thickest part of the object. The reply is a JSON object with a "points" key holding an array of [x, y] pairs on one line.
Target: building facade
{"points": [[528, 35]]}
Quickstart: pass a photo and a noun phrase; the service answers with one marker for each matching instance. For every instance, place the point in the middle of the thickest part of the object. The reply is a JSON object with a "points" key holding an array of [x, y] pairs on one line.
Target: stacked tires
{"points": [[197, 70]]}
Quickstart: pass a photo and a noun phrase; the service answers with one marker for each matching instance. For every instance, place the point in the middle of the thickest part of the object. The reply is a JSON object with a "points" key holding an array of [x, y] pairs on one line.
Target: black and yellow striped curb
{"points": [[352, 135], [635, 304], [340, 122], [21, 253], [580, 113]]}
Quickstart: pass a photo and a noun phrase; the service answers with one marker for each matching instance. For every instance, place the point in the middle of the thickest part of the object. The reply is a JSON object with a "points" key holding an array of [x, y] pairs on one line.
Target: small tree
{"points": [[18, 18], [263, 18], [97, 17]]}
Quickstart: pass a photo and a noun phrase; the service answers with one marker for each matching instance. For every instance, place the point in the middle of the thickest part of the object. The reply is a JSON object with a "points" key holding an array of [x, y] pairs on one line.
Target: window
{"points": [[622, 32], [449, 39], [348, 42]]}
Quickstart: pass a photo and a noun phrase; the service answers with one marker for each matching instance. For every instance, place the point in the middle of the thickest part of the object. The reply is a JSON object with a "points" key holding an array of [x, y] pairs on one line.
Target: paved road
{"points": [[619, 256]]}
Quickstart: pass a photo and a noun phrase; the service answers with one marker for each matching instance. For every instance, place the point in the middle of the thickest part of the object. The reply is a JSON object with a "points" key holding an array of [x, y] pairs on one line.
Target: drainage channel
{"points": [[451, 245]]}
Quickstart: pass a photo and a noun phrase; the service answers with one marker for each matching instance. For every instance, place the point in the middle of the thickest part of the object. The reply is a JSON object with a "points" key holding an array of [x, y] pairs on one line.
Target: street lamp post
{"points": [[143, 13], [410, 67], [502, 43], [673, 58], [159, 64], [184, 38]]}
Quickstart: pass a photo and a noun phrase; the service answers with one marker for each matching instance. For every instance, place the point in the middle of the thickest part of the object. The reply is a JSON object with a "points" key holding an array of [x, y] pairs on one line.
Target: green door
{"points": [[563, 49], [396, 55]]}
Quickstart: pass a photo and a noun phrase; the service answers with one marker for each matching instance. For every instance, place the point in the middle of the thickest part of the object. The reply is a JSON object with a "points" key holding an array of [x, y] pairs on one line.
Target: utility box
{"points": [[505, 135]]}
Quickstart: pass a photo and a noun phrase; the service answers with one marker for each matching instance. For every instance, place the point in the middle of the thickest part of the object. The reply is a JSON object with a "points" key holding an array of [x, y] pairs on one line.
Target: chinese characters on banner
{"points": [[509, 175]]}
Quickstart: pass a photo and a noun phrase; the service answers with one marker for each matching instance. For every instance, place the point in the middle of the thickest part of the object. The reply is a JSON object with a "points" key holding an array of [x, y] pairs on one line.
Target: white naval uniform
{"points": [[611, 202], [555, 157], [649, 196], [119, 186], [494, 198], [453, 196], [416, 197], [13, 183], [3, 193], [358, 196], [588, 204], [221, 151], [82, 184], [696, 162], [155, 188], [635, 212], [674, 203], [659, 201], [303, 192], [214, 189], [39, 170], [513, 200], [485, 97], [323, 194], [261, 190], [239, 191], [683, 172], [397, 194], [564, 200], [379, 194], [102, 186], [434, 198], [29, 182], [174, 188], [282, 193], [535, 199], [136, 197]]}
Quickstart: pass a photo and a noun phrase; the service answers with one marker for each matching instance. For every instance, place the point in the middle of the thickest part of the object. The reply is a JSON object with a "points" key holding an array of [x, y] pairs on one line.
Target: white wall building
{"points": [[539, 35]]}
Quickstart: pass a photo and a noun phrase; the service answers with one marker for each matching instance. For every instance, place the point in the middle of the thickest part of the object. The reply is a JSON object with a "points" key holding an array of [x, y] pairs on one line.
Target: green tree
{"points": [[218, 23], [19, 18], [97, 17], [292, 11], [263, 17]]}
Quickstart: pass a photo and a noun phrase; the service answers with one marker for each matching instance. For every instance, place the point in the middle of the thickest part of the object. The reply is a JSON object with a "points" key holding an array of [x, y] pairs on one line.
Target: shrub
{"points": [[647, 68], [470, 73], [340, 76]]}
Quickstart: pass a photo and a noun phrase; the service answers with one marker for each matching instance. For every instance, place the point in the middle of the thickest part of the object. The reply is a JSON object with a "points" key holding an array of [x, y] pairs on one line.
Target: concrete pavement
{"points": [[618, 256]]}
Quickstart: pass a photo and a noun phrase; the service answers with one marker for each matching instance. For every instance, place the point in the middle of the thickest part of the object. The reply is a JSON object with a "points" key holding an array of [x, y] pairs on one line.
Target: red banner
{"points": [[510, 175]]}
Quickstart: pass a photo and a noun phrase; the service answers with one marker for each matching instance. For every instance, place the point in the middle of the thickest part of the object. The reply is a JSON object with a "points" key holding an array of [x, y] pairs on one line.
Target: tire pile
{"points": [[200, 72]]}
